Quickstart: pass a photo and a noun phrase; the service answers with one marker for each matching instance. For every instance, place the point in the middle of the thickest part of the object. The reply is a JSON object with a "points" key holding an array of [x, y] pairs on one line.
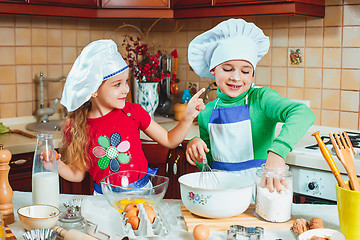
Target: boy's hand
{"points": [[196, 150], [277, 183], [194, 106]]}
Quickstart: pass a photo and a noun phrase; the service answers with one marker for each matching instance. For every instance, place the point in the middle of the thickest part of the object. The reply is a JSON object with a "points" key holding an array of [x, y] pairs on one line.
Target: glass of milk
{"points": [[45, 177]]}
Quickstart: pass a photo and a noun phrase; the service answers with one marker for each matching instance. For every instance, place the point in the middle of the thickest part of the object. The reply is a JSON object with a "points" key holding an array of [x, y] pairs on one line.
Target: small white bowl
{"points": [[322, 232], [38, 216], [232, 197]]}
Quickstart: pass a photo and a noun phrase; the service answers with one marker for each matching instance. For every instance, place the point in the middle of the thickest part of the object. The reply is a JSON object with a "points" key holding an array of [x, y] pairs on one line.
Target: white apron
{"points": [[231, 140]]}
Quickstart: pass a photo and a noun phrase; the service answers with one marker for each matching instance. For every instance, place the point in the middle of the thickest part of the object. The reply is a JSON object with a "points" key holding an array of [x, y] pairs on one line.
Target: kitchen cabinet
{"points": [[191, 3], [173, 9], [18, 1], [223, 8], [136, 4], [82, 3], [170, 162], [21, 172]]}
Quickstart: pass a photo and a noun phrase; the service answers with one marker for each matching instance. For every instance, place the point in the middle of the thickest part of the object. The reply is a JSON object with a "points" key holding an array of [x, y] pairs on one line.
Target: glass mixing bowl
{"points": [[124, 187]]}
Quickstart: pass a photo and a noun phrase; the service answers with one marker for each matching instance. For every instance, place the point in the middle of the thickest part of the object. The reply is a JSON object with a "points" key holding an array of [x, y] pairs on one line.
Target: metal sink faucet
{"points": [[43, 112]]}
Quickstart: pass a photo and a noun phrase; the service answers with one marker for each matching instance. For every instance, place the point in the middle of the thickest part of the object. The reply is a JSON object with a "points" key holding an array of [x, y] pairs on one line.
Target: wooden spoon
{"points": [[327, 155]]}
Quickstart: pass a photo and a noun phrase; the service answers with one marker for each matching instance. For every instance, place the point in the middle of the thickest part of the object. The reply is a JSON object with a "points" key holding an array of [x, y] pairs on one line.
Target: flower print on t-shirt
{"points": [[112, 152]]}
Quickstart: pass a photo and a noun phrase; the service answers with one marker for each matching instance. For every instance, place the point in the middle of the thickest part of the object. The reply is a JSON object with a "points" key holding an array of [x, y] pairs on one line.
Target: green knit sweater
{"points": [[266, 108]]}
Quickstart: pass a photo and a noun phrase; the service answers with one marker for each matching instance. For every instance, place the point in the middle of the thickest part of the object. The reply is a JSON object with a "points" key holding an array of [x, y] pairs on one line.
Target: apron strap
{"points": [[216, 102]]}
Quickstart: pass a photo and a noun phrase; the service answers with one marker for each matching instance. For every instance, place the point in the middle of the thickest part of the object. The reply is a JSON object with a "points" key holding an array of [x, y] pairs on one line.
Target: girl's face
{"points": [[112, 93], [233, 77]]}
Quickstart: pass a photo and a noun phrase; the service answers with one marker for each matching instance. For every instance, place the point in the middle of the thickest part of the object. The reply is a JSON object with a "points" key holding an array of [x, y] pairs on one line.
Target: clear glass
{"points": [[45, 177], [274, 206], [2, 229], [124, 187]]}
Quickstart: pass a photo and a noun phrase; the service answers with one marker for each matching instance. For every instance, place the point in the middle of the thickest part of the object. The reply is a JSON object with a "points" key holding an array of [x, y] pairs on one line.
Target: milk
{"points": [[45, 188]]}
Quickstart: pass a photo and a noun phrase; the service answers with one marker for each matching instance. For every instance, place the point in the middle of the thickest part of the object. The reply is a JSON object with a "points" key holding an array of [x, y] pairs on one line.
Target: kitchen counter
{"points": [[328, 213], [18, 144]]}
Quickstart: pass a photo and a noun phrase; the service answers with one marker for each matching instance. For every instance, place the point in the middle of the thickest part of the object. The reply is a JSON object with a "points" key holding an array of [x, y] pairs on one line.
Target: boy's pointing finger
{"points": [[196, 95]]}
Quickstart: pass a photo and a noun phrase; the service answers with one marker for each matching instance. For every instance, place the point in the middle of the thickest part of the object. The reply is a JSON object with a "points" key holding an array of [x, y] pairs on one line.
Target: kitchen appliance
{"points": [[313, 179]]}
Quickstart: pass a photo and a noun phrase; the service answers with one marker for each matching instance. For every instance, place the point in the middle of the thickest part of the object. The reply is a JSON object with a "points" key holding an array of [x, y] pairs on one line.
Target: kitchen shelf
{"points": [[164, 9]]}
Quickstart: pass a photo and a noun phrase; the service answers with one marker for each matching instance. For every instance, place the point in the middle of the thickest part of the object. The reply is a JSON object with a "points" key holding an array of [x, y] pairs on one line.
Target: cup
{"points": [[348, 203]]}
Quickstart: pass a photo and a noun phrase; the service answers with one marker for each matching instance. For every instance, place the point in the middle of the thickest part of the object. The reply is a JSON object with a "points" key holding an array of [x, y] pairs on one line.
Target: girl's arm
{"points": [[171, 139], [70, 173]]}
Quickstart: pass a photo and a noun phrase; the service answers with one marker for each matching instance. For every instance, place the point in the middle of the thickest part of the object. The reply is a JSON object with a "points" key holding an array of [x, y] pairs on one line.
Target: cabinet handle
{"points": [[19, 162], [175, 164]]}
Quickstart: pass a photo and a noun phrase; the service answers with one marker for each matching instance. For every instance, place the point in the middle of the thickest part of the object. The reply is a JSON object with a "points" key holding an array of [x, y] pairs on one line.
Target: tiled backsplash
{"points": [[329, 75]]}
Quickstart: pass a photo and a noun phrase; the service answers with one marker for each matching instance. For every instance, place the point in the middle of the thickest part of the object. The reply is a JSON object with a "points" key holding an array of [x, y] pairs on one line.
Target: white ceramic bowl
{"points": [[322, 232], [38, 216], [231, 198]]}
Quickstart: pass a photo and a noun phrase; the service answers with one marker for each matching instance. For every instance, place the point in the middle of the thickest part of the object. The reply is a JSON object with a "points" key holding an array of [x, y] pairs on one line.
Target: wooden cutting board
{"points": [[9, 234], [246, 219]]}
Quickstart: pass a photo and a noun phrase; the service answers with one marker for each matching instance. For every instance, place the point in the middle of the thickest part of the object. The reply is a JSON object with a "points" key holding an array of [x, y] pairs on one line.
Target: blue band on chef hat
{"points": [[115, 73]]}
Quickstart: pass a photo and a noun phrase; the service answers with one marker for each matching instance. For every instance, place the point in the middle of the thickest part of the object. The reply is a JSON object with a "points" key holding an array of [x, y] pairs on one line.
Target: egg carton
{"points": [[165, 220]]}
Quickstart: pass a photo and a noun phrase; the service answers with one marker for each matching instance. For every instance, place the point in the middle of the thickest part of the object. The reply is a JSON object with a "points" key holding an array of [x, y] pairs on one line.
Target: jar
{"points": [[274, 206], [186, 96], [45, 176], [2, 229]]}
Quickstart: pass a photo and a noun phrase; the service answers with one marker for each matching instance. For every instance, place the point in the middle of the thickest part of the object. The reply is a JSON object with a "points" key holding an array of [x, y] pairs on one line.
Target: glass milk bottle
{"points": [[274, 206], [45, 177]]}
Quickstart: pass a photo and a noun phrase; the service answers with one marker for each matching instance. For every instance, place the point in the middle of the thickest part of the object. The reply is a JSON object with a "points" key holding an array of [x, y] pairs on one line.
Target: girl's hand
{"points": [[274, 163], [196, 150], [194, 106], [48, 158]]}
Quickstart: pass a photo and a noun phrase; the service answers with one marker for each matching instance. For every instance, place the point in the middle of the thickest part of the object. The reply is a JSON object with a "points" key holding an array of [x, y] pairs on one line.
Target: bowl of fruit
{"points": [[124, 187]]}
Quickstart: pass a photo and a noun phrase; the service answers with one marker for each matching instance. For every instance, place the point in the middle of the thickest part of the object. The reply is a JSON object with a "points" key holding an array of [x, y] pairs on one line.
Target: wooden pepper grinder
{"points": [[6, 192]]}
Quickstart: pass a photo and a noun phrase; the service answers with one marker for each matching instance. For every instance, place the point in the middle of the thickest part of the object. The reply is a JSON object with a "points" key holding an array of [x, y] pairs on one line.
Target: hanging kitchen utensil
{"points": [[165, 102], [174, 87], [330, 161], [345, 152]]}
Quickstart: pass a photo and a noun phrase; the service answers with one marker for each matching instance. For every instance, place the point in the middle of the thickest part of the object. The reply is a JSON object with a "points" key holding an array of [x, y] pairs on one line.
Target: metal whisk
{"points": [[208, 178]]}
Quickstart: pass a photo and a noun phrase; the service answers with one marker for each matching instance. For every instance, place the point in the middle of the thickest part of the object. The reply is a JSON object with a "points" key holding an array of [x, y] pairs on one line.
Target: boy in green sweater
{"points": [[237, 129]]}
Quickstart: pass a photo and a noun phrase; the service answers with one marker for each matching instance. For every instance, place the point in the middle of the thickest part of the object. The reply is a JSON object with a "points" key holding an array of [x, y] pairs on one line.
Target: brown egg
{"points": [[129, 207], [134, 222], [201, 232], [132, 212], [150, 213]]}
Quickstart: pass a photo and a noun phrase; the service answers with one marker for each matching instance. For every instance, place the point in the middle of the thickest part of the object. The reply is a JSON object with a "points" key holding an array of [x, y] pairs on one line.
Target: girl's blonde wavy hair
{"points": [[75, 142]]}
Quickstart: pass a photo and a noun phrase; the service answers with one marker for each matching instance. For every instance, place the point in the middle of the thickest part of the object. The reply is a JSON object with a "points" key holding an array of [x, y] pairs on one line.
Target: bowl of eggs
{"points": [[124, 187], [231, 197], [38, 216]]}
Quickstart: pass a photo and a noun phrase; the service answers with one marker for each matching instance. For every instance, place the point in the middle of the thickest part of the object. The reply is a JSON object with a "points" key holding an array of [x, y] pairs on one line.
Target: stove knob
{"points": [[313, 185]]}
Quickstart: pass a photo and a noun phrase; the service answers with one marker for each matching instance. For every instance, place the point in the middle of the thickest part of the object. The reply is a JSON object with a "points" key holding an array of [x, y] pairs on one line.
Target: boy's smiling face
{"points": [[233, 77]]}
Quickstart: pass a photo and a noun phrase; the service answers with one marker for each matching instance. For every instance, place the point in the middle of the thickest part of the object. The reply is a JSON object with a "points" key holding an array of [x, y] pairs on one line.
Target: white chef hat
{"points": [[98, 61], [233, 39]]}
